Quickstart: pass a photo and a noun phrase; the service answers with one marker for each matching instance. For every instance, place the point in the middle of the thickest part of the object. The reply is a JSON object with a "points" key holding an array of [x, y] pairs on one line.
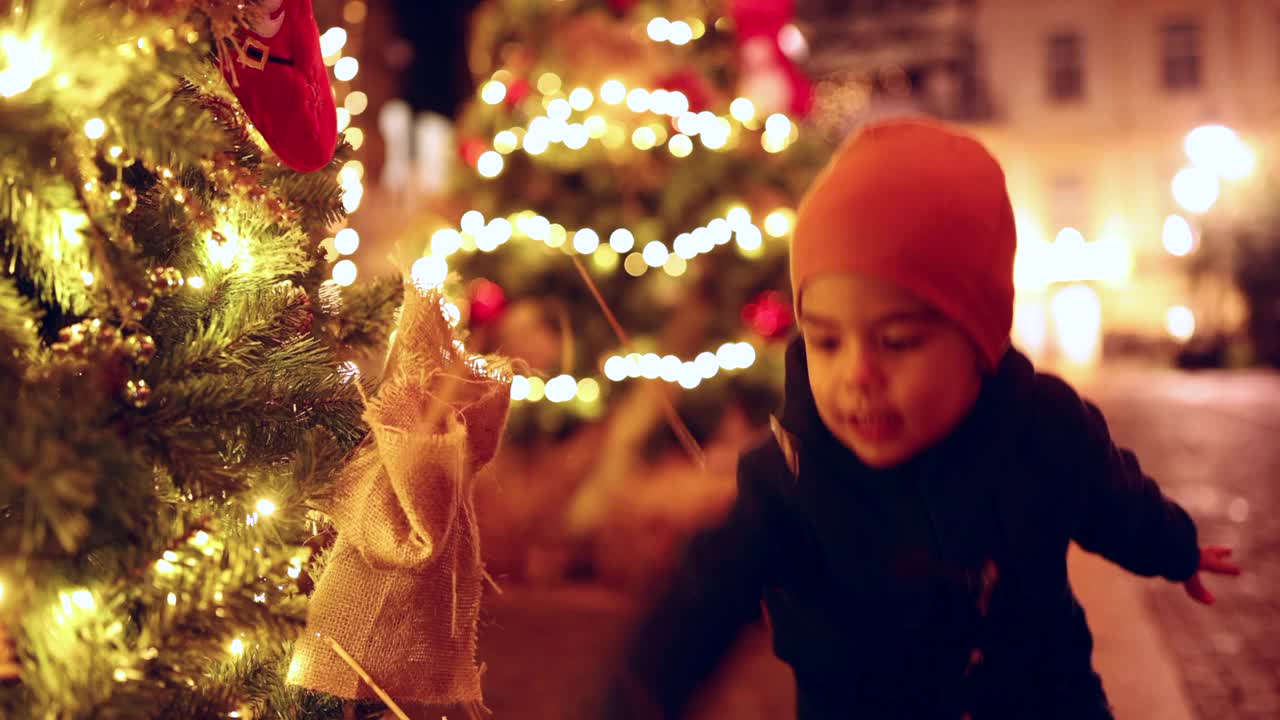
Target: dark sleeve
{"points": [[1120, 512], [712, 595]]}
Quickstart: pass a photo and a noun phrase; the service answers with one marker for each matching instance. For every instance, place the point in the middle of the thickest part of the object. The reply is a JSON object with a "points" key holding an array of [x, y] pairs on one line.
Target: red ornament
{"points": [[769, 315], [622, 7], [471, 150], [276, 71], [759, 24], [517, 91], [488, 301]]}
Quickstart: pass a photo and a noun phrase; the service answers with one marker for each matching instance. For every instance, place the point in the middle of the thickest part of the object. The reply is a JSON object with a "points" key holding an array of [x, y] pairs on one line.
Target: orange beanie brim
{"points": [[921, 205]]}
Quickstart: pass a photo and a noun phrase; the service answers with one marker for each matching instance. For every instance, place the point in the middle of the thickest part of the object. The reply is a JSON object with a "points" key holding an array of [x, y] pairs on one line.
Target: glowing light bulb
{"points": [[1177, 236], [505, 142], [195, 281], [585, 241], [656, 254], [680, 146], [490, 164], [266, 507], [237, 647], [347, 241], [1180, 322], [332, 41], [1195, 189], [429, 272], [472, 222], [742, 110], [621, 240], [82, 599], [659, 29], [638, 100], [493, 92], [519, 387], [346, 68], [581, 99], [344, 272], [95, 128], [613, 92]]}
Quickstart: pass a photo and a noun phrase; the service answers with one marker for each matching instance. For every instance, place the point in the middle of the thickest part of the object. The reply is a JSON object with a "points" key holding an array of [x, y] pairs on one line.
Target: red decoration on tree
{"points": [[517, 91], [278, 74], [471, 150], [622, 7], [768, 315], [694, 86], [488, 301], [769, 78]]}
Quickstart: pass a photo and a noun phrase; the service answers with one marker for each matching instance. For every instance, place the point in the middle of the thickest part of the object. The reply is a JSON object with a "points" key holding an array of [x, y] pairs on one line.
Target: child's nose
{"points": [[863, 371]]}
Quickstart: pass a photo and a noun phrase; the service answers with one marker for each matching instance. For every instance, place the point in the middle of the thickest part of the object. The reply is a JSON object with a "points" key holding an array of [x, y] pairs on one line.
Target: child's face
{"points": [[890, 375]]}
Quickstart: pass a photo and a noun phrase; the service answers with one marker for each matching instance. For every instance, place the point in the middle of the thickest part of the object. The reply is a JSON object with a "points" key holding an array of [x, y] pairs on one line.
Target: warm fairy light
{"points": [[490, 164], [1077, 317], [429, 272], [200, 539], [596, 127], [332, 41], [561, 388], [581, 99], [519, 387], [675, 266], [266, 507], [1177, 236], [576, 136], [638, 100], [195, 281], [493, 92], [95, 128], [548, 83], [237, 647], [354, 137], [585, 241], [559, 110], [164, 566], [621, 240], [659, 29], [344, 118], [680, 146], [83, 599], [294, 571], [356, 103], [1219, 150], [613, 92], [680, 33], [346, 68], [1180, 322], [777, 223], [738, 217], [445, 242], [750, 238], [1195, 189], [347, 241], [28, 61], [655, 254], [172, 599], [344, 272], [715, 134], [472, 222], [644, 138], [537, 389], [87, 277], [505, 142]]}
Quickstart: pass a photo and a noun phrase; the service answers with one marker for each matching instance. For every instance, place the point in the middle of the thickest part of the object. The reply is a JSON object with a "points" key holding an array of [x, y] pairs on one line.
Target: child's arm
{"points": [[1123, 516], [713, 594]]}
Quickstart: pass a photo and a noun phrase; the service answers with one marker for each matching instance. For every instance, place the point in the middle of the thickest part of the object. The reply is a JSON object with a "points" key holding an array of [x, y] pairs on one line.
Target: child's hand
{"points": [[1214, 559]]}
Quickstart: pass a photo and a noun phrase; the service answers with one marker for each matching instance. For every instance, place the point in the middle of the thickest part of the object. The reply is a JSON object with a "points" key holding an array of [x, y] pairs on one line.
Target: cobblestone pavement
{"points": [[1212, 440]]}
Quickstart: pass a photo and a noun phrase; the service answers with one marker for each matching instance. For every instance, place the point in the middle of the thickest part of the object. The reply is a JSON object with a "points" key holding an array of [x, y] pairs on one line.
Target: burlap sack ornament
{"points": [[401, 591]]}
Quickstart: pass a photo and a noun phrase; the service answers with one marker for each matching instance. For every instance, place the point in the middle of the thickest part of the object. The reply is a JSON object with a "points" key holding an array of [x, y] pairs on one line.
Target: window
{"points": [[1066, 66], [1181, 65]]}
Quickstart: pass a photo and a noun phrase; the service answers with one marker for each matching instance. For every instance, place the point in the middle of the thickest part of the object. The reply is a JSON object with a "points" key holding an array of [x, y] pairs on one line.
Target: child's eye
{"points": [[898, 343], [824, 344]]}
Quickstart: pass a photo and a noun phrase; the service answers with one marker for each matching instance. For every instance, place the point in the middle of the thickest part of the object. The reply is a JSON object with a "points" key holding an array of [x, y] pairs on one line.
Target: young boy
{"points": [[906, 529]]}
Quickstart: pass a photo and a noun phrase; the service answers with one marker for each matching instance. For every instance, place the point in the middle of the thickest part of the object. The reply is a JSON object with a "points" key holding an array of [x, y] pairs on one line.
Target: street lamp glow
{"points": [[1219, 150], [1077, 316], [1195, 189], [1177, 236]]}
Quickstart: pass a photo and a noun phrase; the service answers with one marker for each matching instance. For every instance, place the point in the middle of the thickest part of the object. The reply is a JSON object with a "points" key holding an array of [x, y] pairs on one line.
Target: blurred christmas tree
{"points": [[170, 359], [654, 146]]}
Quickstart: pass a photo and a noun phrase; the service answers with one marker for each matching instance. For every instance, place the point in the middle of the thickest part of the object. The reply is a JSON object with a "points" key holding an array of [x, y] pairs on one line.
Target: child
{"points": [[906, 529]]}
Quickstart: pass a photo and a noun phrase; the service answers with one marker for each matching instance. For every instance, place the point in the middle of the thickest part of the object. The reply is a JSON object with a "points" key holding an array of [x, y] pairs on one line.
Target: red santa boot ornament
{"points": [[276, 70]]}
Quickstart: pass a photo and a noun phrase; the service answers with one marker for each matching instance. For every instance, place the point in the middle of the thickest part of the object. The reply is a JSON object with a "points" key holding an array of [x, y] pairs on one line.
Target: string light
{"points": [[95, 128], [346, 68], [28, 60], [344, 272], [347, 241], [266, 507]]}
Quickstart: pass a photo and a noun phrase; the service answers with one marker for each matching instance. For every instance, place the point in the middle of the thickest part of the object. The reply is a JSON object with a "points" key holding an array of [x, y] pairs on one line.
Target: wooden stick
{"points": [[382, 695], [673, 418]]}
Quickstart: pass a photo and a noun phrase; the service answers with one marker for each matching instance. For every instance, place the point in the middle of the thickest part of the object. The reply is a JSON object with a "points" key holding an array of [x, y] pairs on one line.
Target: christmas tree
{"points": [[172, 354], [628, 178]]}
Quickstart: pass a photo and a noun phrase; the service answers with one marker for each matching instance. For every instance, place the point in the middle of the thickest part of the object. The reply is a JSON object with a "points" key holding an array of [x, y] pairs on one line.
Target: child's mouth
{"points": [[876, 428]]}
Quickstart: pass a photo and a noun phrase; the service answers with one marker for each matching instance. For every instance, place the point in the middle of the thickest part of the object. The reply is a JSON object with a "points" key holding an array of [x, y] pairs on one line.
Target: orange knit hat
{"points": [[924, 206]]}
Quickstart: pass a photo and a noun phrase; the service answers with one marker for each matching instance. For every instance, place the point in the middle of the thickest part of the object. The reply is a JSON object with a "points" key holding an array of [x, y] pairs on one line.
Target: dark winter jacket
{"points": [[925, 591]]}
